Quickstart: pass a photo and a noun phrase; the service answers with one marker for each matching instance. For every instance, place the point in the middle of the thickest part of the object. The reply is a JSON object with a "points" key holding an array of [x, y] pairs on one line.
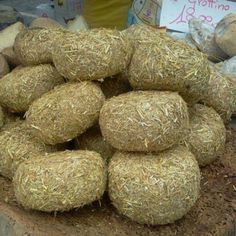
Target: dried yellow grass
{"points": [[140, 32], [65, 112], [154, 188], [34, 46], [60, 182], [45, 22], [9, 117], [207, 136], [17, 145], [2, 117], [115, 86], [160, 62], [221, 94], [92, 54], [10, 56], [4, 68], [93, 140], [22, 86], [144, 120]]}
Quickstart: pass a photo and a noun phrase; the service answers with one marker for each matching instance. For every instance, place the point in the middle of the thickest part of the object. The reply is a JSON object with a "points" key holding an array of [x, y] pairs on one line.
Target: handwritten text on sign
{"points": [[175, 14]]}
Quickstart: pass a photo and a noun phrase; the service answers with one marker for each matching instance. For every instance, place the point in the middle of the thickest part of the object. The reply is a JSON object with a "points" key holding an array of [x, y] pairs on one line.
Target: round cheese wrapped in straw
{"points": [[34, 46], [17, 144], [207, 136], [65, 112], [22, 86], [92, 54], [144, 120], [221, 94], [61, 181], [161, 63], [154, 188]]}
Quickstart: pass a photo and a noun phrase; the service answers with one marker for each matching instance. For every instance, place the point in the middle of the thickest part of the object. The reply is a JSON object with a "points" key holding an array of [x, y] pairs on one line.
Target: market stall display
{"points": [[149, 108]]}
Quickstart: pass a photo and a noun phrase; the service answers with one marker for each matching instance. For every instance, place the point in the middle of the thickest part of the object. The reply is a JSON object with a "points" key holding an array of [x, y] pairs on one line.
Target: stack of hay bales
{"points": [[34, 46], [21, 87], [157, 137], [62, 181], [221, 94], [57, 112], [161, 63], [152, 139], [146, 127], [18, 145]]}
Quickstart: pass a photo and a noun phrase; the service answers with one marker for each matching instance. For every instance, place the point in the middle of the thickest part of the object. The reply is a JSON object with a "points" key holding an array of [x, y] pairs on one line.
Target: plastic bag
{"points": [[203, 37], [229, 67], [66, 10]]}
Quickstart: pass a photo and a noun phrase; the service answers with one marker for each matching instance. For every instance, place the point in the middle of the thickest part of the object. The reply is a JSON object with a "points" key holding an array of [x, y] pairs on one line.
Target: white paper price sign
{"points": [[175, 14]]}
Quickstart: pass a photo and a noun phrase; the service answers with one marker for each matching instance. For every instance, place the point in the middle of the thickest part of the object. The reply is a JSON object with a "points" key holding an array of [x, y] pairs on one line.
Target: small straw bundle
{"points": [[23, 85], [92, 54], [161, 63], [17, 145], [144, 120], [207, 136], [65, 112], [60, 182], [154, 188], [34, 46], [221, 94]]}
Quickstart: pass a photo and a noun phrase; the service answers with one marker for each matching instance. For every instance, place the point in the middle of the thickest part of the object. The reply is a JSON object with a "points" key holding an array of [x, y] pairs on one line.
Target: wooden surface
{"points": [[213, 215]]}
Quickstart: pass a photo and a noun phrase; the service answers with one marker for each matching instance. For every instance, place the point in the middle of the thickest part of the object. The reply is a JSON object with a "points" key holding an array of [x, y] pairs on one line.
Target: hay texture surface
{"points": [[65, 112], [162, 63], [144, 120], [4, 68], [17, 145], [154, 188], [221, 94], [45, 22], [8, 117], [22, 86], [207, 136], [2, 117], [92, 54], [138, 33], [60, 182], [93, 140], [34, 46], [115, 86], [10, 56]]}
